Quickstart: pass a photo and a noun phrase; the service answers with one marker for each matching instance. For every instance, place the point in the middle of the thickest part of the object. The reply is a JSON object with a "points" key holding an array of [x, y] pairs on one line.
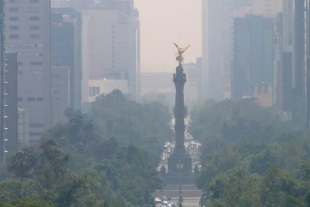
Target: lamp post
{"points": [[180, 167]]}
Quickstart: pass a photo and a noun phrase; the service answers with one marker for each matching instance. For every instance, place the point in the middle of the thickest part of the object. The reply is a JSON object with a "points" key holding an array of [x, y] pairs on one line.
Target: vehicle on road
{"points": [[157, 201]]}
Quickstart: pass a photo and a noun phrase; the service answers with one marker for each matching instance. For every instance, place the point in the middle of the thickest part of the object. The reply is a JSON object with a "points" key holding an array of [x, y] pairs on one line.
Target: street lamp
{"points": [[180, 167]]}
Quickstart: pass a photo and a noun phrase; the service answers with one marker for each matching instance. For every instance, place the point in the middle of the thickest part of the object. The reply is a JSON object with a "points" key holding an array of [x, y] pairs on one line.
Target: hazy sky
{"points": [[164, 22]]}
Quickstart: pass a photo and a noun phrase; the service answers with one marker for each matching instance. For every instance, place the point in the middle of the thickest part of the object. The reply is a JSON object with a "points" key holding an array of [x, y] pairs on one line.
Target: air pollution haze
{"points": [[164, 22]]}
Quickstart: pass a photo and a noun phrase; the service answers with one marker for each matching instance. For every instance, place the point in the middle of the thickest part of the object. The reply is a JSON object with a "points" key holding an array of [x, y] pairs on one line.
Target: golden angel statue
{"points": [[180, 52]]}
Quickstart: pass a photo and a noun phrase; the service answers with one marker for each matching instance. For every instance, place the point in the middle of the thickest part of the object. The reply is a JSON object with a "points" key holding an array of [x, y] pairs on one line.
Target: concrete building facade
{"points": [[113, 51], [11, 103], [301, 66], [267, 8], [66, 49], [253, 55], [217, 23], [2, 91], [60, 80], [28, 34]]}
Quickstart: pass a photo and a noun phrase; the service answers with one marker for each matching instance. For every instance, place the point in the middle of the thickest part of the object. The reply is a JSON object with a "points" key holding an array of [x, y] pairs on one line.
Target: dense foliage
{"points": [[250, 157], [107, 157]]}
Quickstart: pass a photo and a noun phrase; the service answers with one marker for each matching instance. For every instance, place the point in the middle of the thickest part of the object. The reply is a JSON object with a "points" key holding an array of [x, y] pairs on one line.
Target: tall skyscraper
{"points": [[268, 8], [301, 64], [11, 102], [28, 34], [217, 23], [66, 49], [253, 55], [111, 44], [2, 85]]}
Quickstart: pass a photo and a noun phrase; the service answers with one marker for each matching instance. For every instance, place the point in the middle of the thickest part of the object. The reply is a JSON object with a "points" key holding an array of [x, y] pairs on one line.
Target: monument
{"points": [[179, 162]]}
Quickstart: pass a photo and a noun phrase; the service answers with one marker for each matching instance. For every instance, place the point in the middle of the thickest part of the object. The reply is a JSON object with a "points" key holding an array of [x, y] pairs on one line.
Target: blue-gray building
{"points": [[253, 54], [66, 48], [2, 137], [301, 66]]}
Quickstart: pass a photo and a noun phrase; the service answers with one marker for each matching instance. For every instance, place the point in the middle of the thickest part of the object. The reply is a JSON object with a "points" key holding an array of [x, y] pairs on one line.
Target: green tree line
{"points": [[250, 157], [107, 157]]}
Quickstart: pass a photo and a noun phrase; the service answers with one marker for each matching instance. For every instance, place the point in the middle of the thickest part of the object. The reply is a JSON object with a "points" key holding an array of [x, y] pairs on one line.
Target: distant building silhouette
{"points": [[2, 85], [28, 34], [217, 22], [253, 55], [301, 65], [110, 42], [11, 128], [66, 49], [60, 94]]}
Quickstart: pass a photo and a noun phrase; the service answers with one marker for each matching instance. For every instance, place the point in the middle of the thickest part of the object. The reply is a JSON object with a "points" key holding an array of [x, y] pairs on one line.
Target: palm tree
{"points": [[22, 163]]}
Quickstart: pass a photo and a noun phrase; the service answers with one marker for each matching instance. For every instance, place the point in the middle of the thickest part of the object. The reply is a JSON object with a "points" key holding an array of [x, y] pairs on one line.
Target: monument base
{"points": [[179, 170]]}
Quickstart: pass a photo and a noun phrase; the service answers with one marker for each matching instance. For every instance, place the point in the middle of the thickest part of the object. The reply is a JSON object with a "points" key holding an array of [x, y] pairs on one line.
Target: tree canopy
{"points": [[105, 157], [250, 157]]}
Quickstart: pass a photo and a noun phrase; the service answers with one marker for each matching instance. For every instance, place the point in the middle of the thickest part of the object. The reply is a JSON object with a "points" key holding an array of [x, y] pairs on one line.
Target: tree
{"points": [[22, 163]]}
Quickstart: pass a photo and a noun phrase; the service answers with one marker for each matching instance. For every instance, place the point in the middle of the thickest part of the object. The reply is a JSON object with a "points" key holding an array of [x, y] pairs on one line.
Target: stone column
{"points": [[179, 79]]}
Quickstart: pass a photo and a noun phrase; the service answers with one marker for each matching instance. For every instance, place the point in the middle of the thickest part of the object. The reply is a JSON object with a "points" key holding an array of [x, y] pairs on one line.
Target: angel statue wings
{"points": [[180, 52]]}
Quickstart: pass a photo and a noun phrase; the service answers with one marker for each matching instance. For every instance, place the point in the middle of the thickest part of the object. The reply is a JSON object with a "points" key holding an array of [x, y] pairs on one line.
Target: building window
{"points": [[36, 63], [31, 99], [34, 36], [34, 27], [14, 27], [33, 10], [14, 36], [93, 91], [13, 9], [34, 18], [19, 99], [13, 18], [39, 99]]}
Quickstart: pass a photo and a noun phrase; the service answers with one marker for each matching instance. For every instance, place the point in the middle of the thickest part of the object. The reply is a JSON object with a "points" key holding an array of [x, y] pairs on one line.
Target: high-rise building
{"points": [[2, 85], [28, 34], [253, 55], [267, 8], [288, 13], [11, 102], [217, 23], [60, 94], [193, 78], [66, 49], [301, 64], [113, 50]]}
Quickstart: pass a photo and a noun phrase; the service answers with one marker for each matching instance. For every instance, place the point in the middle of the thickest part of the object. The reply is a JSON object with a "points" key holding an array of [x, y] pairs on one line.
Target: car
{"points": [[164, 198], [157, 201], [164, 203], [172, 204]]}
